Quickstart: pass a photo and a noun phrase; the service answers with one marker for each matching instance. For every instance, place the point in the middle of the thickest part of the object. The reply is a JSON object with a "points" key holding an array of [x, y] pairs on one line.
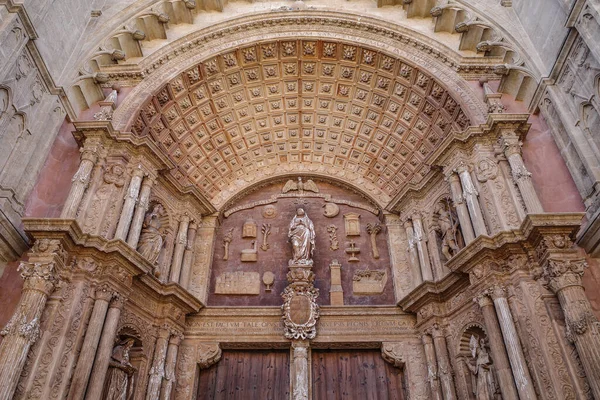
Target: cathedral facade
{"points": [[344, 199]]}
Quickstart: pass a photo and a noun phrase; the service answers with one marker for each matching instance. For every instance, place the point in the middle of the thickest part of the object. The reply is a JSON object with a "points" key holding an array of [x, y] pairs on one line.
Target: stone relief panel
{"points": [[329, 246]]}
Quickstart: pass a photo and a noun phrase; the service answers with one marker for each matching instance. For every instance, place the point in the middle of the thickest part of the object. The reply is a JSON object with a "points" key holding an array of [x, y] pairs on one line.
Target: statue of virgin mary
{"points": [[302, 236]]}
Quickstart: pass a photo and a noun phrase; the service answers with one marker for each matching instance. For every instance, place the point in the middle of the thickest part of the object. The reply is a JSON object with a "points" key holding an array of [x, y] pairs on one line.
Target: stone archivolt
{"points": [[333, 107]]}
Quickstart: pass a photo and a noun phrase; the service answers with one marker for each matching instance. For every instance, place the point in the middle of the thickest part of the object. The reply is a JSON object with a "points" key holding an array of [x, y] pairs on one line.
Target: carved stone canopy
{"points": [[328, 107]]}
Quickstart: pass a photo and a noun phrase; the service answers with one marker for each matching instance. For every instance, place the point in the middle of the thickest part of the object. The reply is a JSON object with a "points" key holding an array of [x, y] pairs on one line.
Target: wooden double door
{"points": [[336, 374]]}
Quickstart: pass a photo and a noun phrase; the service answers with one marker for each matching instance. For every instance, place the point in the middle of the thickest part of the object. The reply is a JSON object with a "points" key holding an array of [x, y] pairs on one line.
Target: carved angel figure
{"points": [[120, 372], [448, 228], [151, 240], [484, 386], [302, 236], [300, 186]]}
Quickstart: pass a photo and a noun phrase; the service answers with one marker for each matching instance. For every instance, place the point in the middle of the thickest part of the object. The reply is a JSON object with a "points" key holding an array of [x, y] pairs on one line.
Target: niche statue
{"points": [[120, 372], [151, 240], [302, 236], [484, 386], [447, 226]]}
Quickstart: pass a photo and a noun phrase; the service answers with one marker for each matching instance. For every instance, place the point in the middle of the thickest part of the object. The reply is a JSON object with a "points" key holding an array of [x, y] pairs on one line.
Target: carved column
{"points": [[461, 208], [90, 343], [513, 345], [432, 374], [499, 357], [203, 255], [81, 179], [107, 342], [300, 372], [188, 255], [170, 363], [583, 328], [22, 329], [140, 212], [419, 235], [157, 372], [471, 198], [413, 254], [522, 177], [180, 245], [443, 362], [131, 197]]}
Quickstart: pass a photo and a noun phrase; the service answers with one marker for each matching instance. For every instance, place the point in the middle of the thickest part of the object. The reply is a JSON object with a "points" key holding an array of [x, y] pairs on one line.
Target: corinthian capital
{"points": [[563, 273]]}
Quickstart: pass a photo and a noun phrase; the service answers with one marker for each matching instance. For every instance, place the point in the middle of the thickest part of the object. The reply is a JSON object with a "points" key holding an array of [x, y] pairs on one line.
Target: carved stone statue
{"points": [[302, 236], [151, 240], [484, 386], [120, 372], [448, 228]]}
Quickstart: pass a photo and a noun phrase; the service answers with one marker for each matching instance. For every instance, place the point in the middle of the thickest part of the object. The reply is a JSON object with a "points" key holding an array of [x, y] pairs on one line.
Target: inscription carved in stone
{"points": [[239, 282]]}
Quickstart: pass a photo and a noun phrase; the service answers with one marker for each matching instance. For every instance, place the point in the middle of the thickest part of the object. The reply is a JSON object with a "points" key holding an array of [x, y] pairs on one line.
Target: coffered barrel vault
{"points": [[325, 107]]}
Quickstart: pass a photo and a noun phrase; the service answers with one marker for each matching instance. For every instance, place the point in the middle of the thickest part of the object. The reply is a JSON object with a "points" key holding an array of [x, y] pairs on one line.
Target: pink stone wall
{"points": [[54, 182]]}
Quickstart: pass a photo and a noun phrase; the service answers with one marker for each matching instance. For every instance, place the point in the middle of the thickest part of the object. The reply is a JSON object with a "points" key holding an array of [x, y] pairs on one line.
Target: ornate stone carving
{"points": [[331, 210], [251, 254], [227, 238], [352, 251], [373, 230], [352, 224], [249, 230], [119, 384], [239, 282], [151, 239], [268, 279], [369, 282], [333, 239], [266, 231], [302, 236], [208, 354], [300, 186], [483, 382]]}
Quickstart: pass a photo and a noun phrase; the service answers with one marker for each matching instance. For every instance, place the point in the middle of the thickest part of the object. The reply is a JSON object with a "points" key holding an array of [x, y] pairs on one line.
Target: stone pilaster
{"points": [[140, 212], [157, 372], [472, 199], [81, 179], [432, 370], [522, 177], [583, 329], [413, 254], [188, 255], [513, 345], [41, 276], [445, 372], [84, 365], [420, 241], [499, 357], [131, 198], [170, 363], [299, 378], [180, 245], [461, 208], [107, 341], [203, 254]]}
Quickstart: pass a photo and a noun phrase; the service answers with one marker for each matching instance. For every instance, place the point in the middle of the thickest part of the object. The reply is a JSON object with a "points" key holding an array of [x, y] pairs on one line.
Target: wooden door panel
{"points": [[244, 375], [354, 375]]}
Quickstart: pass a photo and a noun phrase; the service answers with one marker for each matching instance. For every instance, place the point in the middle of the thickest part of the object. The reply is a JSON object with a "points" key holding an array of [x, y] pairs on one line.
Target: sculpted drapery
{"points": [[302, 236], [120, 372]]}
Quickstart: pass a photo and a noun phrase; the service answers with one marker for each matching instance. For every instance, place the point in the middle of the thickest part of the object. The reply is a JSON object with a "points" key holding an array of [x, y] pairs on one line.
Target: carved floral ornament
{"points": [[234, 116]]}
